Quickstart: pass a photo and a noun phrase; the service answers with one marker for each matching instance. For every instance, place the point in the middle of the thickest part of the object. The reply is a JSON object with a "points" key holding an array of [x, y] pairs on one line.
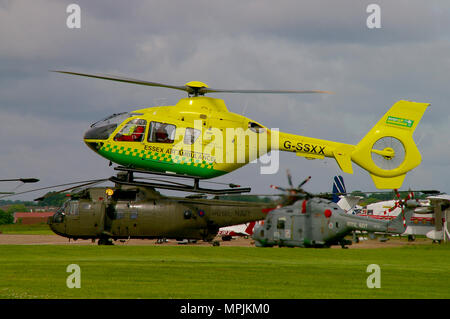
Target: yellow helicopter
{"points": [[200, 139]]}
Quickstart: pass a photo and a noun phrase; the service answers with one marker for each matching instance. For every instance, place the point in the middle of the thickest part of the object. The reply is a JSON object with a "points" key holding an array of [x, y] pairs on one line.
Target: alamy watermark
{"points": [[74, 279], [374, 279], [374, 19], [74, 19]]}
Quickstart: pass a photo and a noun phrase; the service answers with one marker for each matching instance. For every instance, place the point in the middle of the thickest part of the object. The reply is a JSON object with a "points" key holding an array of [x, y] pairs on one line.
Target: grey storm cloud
{"points": [[234, 44]]}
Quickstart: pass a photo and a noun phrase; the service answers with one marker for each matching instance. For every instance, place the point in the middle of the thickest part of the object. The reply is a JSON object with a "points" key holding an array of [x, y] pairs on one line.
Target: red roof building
{"points": [[32, 218]]}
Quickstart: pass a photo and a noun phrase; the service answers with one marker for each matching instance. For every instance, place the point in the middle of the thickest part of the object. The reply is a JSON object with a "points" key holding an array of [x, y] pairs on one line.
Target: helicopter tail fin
{"points": [[388, 151], [398, 224]]}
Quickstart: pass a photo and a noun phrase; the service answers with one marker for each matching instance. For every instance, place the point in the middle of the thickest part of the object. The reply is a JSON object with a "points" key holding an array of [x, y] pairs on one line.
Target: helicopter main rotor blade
{"points": [[189, 89], [72, 189], [211, 90], [55, 186], [304, 182], [127, 80], [23, 180], [289, 177], [279, 188]]}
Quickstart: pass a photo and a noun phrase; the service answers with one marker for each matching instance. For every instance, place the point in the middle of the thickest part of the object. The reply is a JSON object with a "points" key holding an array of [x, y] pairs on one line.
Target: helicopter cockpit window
{"points": [[72, 208], [161, 133], [133, 131], [191, 135], [116, 118], [102, 129], [255, 127]]}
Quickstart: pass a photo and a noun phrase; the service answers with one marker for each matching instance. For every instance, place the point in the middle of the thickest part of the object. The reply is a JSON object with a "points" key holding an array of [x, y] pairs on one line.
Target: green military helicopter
{"points": [[140, 212]]}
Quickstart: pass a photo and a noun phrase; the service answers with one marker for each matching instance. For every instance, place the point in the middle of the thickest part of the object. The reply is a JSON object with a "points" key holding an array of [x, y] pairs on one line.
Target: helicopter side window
{"points": [[161, 133], [280, 223], [191, 135], [133, 131]]}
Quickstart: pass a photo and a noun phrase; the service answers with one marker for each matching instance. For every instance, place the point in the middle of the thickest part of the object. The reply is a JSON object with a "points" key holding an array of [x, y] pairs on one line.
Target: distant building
{"points": [[32, 218]]}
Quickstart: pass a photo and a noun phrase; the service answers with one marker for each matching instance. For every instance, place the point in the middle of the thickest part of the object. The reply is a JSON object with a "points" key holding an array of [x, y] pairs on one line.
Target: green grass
{"points": [[19, 229], [223, 272]]}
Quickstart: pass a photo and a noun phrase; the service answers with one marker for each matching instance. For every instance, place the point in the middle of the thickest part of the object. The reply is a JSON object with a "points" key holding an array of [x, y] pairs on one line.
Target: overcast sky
{"points": [[254, 44]]}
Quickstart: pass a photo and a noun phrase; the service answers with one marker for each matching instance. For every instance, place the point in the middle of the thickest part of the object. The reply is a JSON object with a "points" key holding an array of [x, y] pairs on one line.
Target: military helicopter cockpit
{"points": [[69, 209]]}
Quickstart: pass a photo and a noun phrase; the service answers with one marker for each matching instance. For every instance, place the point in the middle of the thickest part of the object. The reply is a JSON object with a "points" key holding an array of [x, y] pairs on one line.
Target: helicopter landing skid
{"points": [[129, 179]]}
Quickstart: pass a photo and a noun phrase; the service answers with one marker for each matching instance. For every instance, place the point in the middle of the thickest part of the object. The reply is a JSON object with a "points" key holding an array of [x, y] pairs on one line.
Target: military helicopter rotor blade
{"points": [[23, 180], [304, 182], [279, 188], [289, 177], [128, 80], [72, 189], [89, 182]]}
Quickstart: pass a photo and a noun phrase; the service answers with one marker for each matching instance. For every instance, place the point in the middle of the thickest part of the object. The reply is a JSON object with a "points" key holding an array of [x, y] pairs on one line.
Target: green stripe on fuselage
{"points": [[155, 161]]}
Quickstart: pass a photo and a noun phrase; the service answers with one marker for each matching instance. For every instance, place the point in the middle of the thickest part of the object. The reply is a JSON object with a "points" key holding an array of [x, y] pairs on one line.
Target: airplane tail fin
{"points": [[388, 151], [250, 227], [338, 187]]}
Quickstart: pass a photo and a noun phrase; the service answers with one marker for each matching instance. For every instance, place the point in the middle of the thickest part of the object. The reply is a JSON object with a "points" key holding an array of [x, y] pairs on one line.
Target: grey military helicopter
{"points": [[316, 221]]}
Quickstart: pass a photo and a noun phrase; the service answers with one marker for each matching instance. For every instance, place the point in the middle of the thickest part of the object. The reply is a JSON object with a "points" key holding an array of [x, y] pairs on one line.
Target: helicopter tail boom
{"points": [[387, 151]]}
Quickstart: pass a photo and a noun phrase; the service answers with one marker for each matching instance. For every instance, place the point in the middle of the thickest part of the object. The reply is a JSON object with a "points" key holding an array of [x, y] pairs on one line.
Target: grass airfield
{"points": [[197, 272]]}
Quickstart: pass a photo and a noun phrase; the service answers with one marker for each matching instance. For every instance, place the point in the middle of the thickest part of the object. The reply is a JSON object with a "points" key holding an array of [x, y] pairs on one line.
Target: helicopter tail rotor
{"points": [[388, 151]]}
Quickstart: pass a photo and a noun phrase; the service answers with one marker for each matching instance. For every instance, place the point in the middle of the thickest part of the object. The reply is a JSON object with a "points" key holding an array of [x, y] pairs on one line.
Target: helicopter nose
{"points": [[57, 224], [95, 146], [100, 132]]}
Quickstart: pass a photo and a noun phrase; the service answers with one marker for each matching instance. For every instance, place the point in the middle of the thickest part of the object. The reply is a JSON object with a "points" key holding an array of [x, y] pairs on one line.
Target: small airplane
{"points": [[344, 200], [423, 221], [241, 230], [440, 206], [199, 138]]}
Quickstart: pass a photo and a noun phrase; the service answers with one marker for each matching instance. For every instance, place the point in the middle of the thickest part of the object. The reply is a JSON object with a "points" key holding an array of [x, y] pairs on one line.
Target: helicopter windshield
{"points": [[116, 118], [102, 129]]}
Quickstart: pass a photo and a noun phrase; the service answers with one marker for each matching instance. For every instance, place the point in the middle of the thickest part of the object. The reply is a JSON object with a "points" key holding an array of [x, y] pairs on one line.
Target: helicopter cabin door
{"points": [[84, 219], [284, 227]]}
